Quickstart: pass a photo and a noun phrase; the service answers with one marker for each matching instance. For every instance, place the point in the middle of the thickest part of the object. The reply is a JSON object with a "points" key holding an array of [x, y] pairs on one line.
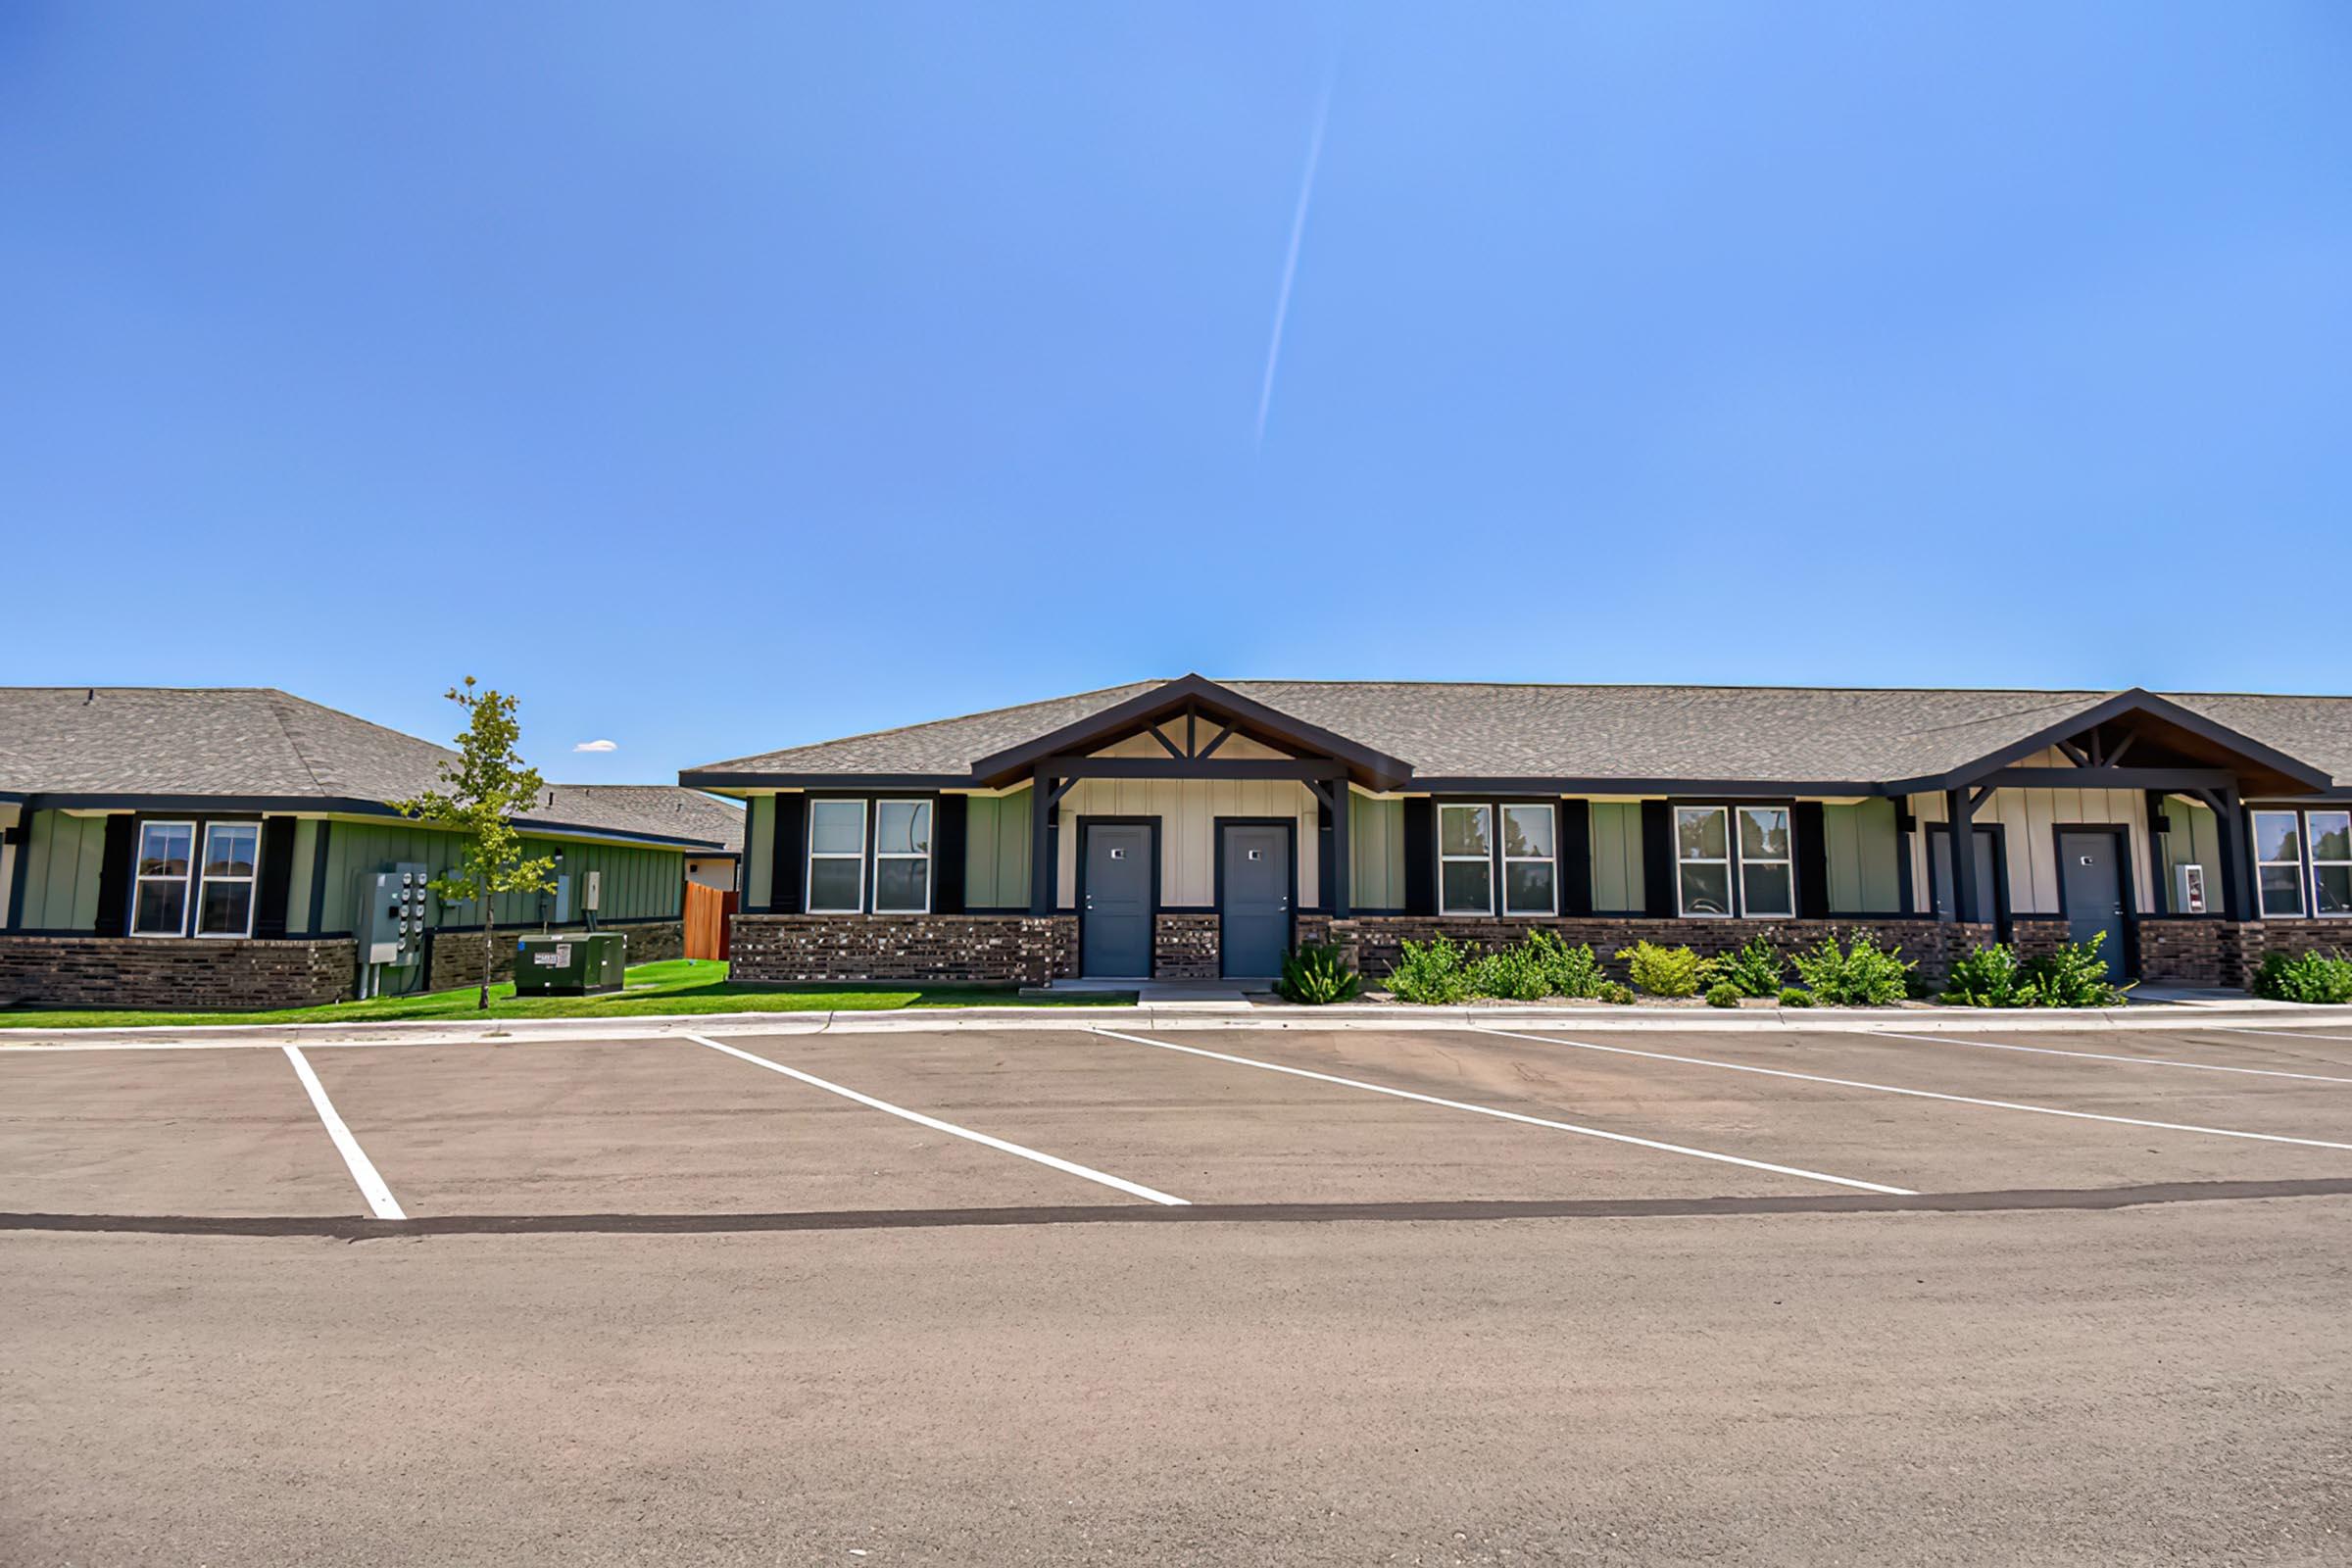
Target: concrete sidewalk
{"points": [[2243, 1013]]}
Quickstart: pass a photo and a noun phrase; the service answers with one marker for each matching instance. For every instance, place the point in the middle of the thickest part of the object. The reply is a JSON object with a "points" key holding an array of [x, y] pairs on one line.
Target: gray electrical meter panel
{"points": [[390, 916]]}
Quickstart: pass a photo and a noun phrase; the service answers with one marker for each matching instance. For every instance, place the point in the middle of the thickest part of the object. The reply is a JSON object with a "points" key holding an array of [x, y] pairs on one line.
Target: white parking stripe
{"points": [[363, 1169], [1922, 1094], [1512, 1115], [2282, 1034], [2094, 1055], [936, 1125]]}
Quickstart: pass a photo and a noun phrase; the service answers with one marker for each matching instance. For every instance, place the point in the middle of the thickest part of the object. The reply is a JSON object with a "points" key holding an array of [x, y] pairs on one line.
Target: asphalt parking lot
{"points": [[1188, 1294]]}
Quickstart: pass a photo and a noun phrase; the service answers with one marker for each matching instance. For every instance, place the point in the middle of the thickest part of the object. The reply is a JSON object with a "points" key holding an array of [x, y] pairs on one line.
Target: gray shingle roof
{"points": [[257, 743], [1475, 730]]}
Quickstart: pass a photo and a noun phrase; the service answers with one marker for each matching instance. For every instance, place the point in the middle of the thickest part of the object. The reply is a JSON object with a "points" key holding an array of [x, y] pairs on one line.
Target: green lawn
{"points": [[679, 985]]}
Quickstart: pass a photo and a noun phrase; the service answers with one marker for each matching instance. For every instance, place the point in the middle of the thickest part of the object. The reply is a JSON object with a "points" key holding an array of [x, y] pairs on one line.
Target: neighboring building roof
{"points": [[1635, 734], [257, 744], [666, 809]]}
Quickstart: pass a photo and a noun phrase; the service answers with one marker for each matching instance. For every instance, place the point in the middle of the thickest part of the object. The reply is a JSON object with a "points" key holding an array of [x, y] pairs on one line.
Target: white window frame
{"points": [[931, 824], [1729, 863], [1486, 859], [815, 855], [2262, 908], [1502, 848], [1741, 863], [2311, 850], [187, 879], [253, 882]]}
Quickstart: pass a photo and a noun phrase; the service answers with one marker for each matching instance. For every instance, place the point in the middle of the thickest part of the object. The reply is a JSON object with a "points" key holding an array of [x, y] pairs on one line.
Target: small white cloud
{"points": [[598, 746]]}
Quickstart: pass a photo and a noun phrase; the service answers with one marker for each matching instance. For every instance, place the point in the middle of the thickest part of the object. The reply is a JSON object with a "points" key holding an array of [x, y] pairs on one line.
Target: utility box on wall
{"points": [[390, 923], [2188, 890]]}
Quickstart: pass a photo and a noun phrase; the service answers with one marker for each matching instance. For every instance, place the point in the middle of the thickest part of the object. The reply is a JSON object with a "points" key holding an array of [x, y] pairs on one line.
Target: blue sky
{"points": [[724, 378]]}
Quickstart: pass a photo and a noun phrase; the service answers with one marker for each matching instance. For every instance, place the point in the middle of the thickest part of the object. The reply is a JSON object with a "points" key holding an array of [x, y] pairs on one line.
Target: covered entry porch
{"points": [[1187, 831]]}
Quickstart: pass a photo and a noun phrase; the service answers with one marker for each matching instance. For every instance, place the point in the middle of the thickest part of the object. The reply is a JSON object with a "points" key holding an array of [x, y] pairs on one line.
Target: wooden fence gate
{"points": [[710, 922]]}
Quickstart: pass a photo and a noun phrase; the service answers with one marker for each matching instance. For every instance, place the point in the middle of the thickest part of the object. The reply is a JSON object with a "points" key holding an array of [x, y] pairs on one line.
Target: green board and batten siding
{"points": [[758, 830], [1617, 884], [996, 851], [1865, 857], [1376, 852], [63, 855]]}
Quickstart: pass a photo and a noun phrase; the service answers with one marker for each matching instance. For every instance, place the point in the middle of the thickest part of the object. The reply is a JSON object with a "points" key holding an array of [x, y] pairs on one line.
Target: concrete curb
{"points": [[1583, 1020]]}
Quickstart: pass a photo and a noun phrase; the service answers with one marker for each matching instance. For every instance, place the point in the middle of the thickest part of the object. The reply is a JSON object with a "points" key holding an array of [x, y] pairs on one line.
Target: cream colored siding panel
{"points": [[1187, 810], [2030, 819]]}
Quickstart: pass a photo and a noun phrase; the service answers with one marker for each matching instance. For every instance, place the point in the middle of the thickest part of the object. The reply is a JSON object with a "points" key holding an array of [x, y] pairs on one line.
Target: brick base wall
{"points": [[1186, 947], [966, 949], [454, 957], [174, 972]]}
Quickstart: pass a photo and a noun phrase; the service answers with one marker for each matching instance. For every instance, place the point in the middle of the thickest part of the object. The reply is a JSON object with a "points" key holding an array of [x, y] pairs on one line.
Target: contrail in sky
{"points": [[1289, 262]]}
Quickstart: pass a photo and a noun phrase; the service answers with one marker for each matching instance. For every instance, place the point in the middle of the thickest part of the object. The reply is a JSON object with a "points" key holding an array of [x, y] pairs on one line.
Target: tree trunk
{"points": [[482, 1003]]}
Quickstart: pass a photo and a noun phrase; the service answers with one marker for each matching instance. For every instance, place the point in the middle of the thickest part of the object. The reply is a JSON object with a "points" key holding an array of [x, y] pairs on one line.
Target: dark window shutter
{"points": [[1811, 827], [786, 852], [947, 834], [114, 876], [1420, 857], [1576, 856], [277, 876], [1657, 857]]}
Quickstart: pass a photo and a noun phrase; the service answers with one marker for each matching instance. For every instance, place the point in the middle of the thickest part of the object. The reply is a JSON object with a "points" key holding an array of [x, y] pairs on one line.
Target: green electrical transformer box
{"points": [[578, 963]]}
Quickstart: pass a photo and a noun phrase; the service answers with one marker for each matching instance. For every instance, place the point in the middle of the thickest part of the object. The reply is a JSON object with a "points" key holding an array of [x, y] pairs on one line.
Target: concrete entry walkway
{"points": [[1206, 994]]}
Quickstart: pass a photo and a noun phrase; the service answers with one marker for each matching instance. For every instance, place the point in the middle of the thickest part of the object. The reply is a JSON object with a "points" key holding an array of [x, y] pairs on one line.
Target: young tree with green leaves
{"points": [[480, 795]]}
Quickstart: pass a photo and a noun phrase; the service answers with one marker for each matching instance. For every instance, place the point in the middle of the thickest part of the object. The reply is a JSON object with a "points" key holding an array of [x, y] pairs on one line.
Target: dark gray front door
{"points": [[1254, 931], [1117, 934], [2094, 874]]}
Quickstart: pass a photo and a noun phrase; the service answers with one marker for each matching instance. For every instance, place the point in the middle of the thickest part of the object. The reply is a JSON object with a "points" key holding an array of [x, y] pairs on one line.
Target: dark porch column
{"points": [[1041, 844], [1961, 811], [1341, 868], [2237, 861]]}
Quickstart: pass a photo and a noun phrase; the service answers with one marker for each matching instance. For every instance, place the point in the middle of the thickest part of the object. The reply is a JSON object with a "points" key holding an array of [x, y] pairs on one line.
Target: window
{"points": [[1767, 873], [1702, 855], [159, 906], [902, 857], [2278, 861], [1528, 867], [2330, 861], [1465, 859], [836, 856], [225, 893]]}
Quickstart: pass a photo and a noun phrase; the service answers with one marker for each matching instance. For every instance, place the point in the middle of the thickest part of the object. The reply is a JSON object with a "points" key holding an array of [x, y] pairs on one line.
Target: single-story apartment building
{"points": [[1192, 828], [231, 848]]}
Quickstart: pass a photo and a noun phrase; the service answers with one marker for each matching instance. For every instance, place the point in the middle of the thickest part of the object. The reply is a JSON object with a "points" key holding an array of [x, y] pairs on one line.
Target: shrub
{"points": [[2318, 977], [2074, 976], [1862, 974], [1514, 974], [1985, 978], [1662, 971], [1724, 993], [1567, 971], [1756, 968], [1317, 974], [1794, 997], [1433, 972], [1616, 993]]}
